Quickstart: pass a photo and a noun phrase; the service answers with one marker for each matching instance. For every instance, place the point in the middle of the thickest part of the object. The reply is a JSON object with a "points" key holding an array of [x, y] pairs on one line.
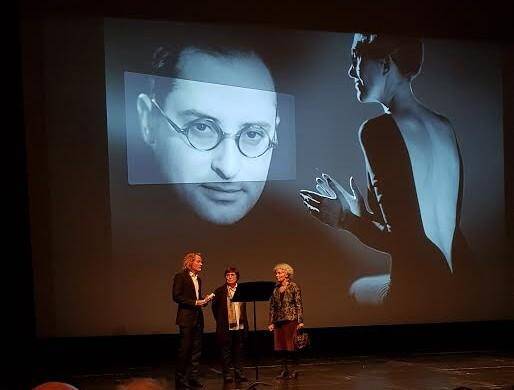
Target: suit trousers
{"points": [[189, 352]]}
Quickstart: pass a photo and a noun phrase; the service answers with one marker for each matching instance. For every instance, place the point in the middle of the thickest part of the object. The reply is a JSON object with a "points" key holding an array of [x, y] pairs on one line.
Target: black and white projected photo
{"points": [[371, 163], [219, 174], [379, 204]]}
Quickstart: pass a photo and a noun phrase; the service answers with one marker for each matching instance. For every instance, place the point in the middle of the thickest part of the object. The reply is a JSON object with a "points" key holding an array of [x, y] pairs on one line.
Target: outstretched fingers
{"points": [[337, 188], [355, 190], [311, 200], [311, 208], [311, 196]]}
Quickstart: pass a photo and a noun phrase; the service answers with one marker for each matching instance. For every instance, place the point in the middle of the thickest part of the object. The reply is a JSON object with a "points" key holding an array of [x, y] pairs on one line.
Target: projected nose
{"points": [[226, 162]]}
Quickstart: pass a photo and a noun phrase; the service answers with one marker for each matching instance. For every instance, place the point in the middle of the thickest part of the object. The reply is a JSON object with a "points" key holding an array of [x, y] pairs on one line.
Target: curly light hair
{"points": [[189, 258], [286, 267]]}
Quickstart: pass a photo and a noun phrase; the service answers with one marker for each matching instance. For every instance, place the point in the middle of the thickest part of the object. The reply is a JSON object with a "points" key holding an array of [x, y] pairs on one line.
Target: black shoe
{"points": [[228, 379], [195, 384]]}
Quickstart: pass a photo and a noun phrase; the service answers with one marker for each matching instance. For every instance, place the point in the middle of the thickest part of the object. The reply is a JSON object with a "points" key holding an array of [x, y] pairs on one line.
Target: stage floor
{"points": [[474, 370]]}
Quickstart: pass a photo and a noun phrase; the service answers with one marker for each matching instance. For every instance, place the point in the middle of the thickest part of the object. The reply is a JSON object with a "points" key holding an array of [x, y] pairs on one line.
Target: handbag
{"points": [[302, 340]]}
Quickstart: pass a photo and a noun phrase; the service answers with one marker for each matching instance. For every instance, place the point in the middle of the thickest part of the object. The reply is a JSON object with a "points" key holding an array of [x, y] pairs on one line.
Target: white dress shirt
{"points": [[195, 282]]}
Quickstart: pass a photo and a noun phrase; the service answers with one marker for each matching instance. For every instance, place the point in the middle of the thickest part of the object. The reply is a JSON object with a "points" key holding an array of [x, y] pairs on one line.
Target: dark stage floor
{"points": [[474, 370]]}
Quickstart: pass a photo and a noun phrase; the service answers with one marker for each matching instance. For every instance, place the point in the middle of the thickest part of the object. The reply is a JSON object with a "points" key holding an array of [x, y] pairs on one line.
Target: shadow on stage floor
{"points": [[451, 370]]}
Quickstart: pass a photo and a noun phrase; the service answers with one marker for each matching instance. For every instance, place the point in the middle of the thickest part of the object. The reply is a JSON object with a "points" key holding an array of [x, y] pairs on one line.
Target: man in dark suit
{"points": [[231, 326], [187, 292]]}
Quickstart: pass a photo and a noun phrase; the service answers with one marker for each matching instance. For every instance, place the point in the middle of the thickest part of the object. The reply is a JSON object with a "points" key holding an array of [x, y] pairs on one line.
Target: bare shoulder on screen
{"points": [[435, 122]]}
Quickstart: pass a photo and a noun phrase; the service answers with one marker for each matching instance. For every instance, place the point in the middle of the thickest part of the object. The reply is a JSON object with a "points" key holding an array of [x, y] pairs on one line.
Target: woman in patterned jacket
{"points": [[286, 317]]}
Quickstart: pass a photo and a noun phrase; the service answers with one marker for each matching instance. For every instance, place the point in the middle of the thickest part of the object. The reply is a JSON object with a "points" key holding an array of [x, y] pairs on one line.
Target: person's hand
{"points": [[201, 302], [332, 200], [271, 327], [209, 297], [299, 326]]}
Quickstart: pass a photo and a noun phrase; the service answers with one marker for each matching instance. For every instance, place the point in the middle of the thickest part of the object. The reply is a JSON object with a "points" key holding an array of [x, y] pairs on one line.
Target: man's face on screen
{"points": [[221, 184]]}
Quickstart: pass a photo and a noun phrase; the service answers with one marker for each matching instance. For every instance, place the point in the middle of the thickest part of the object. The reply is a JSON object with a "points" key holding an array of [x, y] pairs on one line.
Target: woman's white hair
{"points": [[286, 267]]}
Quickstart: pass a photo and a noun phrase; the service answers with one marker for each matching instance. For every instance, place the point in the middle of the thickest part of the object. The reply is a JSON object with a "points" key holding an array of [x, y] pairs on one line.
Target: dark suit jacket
{"points": [[188, 314], [220, 312]]}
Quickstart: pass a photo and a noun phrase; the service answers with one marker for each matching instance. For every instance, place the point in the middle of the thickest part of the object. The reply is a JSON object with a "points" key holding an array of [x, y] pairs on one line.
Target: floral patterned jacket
{"points": [[289, 308]]}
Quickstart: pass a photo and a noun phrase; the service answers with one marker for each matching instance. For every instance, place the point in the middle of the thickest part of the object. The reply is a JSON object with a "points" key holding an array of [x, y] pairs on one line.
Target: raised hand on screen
{"points": [[331, 202]]}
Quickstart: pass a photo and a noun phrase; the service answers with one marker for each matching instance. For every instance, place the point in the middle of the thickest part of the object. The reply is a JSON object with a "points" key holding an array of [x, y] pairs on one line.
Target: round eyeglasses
{"points": [[205, 134]]}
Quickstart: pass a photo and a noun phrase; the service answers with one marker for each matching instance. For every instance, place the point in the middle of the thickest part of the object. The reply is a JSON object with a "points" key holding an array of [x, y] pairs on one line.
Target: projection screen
{"points": [[371, 163]]}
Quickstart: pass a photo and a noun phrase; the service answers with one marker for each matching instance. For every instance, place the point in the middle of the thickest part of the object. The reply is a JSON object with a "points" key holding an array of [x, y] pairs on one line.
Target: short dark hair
{"points": [[223, 43], [233, 269], [406, 52]]}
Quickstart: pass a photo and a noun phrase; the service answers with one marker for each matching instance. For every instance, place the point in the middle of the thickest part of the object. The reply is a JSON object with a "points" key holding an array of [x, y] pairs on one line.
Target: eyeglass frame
{"points": [[273, 142]]}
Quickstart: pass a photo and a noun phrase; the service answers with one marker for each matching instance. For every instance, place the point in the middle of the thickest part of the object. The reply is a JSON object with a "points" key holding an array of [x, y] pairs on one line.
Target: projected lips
{"points": [[222, 192]]}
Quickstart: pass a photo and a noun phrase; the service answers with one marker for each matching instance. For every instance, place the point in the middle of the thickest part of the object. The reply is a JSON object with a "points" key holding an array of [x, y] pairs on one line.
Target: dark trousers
{"points": [[189, 352], [232, 351]]}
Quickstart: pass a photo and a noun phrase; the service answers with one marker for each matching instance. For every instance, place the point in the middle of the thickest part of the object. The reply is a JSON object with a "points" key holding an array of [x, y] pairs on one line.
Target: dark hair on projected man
{"points": [[210, 117], [166, 57]]}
